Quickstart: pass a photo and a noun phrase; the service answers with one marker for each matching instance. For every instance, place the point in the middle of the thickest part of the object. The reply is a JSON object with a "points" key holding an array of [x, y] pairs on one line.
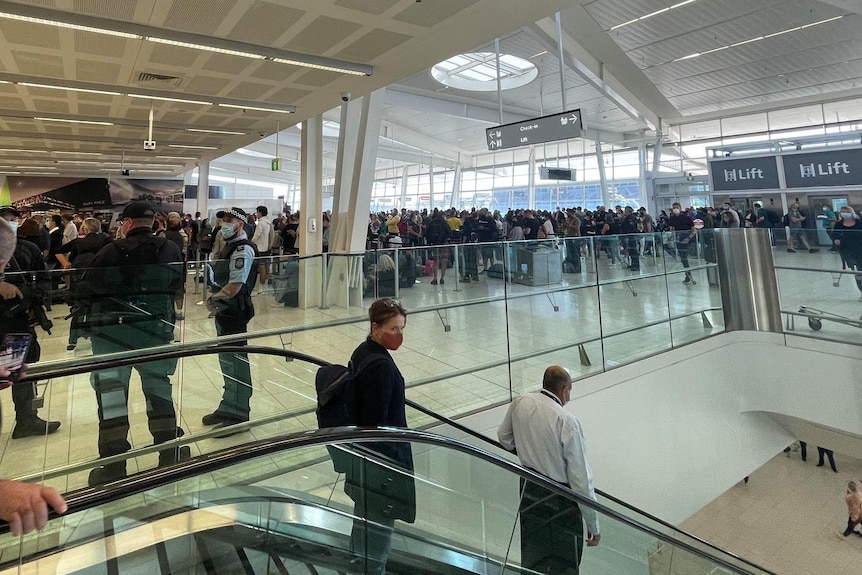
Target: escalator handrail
{"points": [[600, 493], [264, 350], [87, 498]]}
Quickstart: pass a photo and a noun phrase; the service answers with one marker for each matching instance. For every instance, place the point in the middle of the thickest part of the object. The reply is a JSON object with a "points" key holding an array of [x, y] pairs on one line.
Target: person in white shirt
{"points": [[70, 230], [549, 440], [261, 239]]}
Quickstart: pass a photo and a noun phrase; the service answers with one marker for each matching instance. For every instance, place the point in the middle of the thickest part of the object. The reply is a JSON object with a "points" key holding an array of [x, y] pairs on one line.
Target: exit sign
{"points": [[276, 164]]}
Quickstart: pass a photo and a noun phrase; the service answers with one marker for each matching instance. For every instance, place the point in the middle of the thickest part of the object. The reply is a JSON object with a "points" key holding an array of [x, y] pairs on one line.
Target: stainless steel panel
{"points": [[749, 289]]}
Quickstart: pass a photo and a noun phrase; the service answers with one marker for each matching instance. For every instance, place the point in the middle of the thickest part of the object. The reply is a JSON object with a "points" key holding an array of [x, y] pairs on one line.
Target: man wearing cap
{"points": [[231, 303], [26, 262], [130, 287]]}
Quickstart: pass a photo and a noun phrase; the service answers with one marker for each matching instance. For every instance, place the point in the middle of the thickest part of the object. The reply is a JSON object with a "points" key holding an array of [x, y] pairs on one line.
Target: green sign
{"points": [[276, 164]]}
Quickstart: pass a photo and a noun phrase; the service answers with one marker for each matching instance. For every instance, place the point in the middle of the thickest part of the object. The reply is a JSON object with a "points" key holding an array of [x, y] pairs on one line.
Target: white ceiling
{"points": [[625, 80]]}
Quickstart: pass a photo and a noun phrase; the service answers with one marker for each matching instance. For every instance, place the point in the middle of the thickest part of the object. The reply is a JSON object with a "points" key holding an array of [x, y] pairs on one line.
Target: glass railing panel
{"points": [[821, 303], [426, 504], [650, 547], [283, 400]]}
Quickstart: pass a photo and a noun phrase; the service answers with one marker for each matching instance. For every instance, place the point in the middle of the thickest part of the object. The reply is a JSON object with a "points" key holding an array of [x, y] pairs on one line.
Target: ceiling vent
{"points": [[162, 80]]}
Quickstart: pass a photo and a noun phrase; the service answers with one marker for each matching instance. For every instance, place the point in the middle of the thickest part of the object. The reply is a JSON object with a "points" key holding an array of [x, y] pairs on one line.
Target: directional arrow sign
{"points": [[536, 131]]}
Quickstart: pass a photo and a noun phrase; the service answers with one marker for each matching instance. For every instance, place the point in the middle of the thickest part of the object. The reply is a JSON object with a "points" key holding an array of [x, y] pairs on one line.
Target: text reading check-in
{"points": [[536, 131]]}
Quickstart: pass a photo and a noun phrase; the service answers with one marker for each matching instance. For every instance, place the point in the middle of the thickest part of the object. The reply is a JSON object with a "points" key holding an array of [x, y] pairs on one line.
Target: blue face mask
{"points": [[846, 216], [227, 231], [14, 226]]}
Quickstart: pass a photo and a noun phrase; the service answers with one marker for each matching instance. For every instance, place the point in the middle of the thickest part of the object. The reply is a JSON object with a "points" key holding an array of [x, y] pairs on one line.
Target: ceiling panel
{"points": [[264, 23], [321, 35], [371, 45], [431, 14], [375, 7], [198, 16], [124, 10]]}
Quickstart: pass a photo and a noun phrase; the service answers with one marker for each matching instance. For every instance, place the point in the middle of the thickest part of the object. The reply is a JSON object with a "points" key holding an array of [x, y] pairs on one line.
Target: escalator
{"points": [[276, 505]]}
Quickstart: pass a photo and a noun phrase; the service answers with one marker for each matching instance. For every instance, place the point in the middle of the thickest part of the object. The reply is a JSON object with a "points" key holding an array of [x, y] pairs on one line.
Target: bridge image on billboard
{"points": [[536, 131]]}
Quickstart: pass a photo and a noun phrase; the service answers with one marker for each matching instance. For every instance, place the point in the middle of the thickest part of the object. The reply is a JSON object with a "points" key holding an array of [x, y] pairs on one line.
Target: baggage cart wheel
{"points": [[815, 323]]}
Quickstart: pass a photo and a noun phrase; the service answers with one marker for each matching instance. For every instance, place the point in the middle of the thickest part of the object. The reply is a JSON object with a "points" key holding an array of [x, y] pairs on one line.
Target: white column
{"points": [[358, 140], [603, 179], [203, 199], [531, 179], [404, 173], [310, 225]]}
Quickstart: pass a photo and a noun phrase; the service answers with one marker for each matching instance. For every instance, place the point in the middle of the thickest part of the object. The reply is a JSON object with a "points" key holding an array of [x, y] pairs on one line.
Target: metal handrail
{"points": [[86, 498]]}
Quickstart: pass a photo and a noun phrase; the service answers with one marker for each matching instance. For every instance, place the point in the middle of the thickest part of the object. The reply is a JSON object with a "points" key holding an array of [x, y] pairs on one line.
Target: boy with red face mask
{"points": [[380, 402]]}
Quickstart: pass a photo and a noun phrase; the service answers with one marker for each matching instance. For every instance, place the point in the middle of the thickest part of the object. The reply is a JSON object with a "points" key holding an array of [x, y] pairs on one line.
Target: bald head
{"points": [[556, 380], [7, 243]]}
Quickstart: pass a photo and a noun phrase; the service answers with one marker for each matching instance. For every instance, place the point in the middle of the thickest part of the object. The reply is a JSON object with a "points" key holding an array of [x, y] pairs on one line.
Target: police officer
{"points": [[130, 287], [231, 303], [25, 266]]}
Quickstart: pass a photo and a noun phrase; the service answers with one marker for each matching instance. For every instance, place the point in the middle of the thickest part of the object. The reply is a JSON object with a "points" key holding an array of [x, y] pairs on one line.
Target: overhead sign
{"points": [[827, 168], [758, 173], [536, 131]]}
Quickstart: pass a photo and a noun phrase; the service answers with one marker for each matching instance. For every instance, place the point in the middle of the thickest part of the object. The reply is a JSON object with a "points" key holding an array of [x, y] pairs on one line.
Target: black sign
{"points": [[828, 168], [536, 131], [744, 174]]}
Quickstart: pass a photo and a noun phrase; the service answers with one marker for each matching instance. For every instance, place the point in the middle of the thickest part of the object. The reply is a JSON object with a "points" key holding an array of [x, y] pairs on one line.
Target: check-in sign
{"points": [[536, 131]]}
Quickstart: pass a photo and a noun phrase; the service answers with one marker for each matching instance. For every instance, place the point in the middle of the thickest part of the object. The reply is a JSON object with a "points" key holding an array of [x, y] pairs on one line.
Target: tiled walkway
{"points": [[788, 518]]}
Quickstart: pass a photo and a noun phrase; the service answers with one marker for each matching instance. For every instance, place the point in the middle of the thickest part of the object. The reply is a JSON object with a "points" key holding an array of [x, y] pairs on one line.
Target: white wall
{"points": [[672, 432]]}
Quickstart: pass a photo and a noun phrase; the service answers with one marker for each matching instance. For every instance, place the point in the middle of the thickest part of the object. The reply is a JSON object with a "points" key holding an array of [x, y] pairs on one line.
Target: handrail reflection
{"points": [[315, 361], [89, 497]]}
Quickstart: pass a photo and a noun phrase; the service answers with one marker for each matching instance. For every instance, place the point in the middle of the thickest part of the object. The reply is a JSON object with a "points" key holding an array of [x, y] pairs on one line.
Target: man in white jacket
{"points": [[549, 440]]}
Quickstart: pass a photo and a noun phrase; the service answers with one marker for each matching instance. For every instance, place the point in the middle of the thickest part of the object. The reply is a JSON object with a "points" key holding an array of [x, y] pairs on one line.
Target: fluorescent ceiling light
{"points": [[36, 167], [773, 35], [205, 48], [177, 157], [70, 121], [80, 162], [167, 99], [651, 14], [76, 153], [201, 130], [70, 26], [259, 109], [70, 89], [317, 66], [191, 147], [153, 171], [252, 153], [27, 151]]}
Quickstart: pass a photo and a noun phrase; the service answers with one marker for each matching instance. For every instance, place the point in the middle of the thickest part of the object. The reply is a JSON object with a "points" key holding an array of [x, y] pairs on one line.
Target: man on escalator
{"points": [[549, 440]]}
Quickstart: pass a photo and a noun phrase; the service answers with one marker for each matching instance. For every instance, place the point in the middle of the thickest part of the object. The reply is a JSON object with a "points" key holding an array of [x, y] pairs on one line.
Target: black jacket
{"points": [[380, 402]]}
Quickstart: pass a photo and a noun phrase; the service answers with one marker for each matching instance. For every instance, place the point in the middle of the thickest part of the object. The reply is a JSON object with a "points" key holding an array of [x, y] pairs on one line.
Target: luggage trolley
{"points": [[817, 316]]}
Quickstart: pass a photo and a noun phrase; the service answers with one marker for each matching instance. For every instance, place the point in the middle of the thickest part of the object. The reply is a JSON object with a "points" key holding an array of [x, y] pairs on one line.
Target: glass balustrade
{"points": [[468, 344], [278, 505], [820, 292]]}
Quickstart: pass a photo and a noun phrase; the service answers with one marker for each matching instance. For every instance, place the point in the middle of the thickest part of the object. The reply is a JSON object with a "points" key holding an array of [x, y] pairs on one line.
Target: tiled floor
{"points": [[788, 518]]}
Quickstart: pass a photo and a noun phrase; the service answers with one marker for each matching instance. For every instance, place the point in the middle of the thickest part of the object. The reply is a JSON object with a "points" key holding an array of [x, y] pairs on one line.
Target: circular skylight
{"points": [[477, 71]]}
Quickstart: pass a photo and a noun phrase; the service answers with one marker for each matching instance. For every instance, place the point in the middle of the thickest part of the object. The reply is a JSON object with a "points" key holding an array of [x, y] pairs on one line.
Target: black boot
{"points": [[33, 426], [106, 473], [174, 455]]}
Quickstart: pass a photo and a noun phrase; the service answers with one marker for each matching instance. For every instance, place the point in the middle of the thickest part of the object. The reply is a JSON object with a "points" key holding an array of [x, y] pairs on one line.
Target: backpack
{"points": [[435, 233], [773, 218], [336, 401]]}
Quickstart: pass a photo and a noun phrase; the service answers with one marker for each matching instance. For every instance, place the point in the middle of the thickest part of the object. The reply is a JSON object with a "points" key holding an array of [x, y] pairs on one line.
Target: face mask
{"points": [[825, 208], [846, 216], [676, 210], [391, 340], [228, 232], [13, 225]]}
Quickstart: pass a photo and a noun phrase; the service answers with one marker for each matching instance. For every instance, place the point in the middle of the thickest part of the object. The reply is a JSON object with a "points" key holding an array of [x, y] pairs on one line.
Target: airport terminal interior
{"points": [[704, 357]]}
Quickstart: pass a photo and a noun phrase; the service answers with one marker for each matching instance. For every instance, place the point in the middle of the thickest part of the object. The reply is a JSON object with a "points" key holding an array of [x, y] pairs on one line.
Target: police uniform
{"points": [[233, 266], [131, 307]]}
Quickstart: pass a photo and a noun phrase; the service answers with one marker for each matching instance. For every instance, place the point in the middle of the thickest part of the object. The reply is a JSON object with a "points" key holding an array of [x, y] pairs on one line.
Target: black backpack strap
{"points": [[363, 365]]}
